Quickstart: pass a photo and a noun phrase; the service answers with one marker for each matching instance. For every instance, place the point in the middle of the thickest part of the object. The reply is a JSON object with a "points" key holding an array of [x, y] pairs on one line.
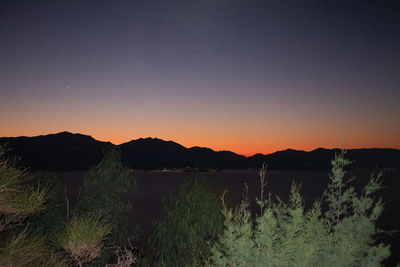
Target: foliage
{"points": [[22, 249], [125, 257], [83, 237], [286, 235], [17, 201], [106, 189], [54, 215], [193, 219]]}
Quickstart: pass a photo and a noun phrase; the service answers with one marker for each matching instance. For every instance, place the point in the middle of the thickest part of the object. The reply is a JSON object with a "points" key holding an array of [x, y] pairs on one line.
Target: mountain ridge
{"points": [[74, 151]]}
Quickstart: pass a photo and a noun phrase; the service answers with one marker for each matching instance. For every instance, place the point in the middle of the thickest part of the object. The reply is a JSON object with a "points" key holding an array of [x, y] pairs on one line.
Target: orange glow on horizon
{"points": [[236, 145], [239, 131]]}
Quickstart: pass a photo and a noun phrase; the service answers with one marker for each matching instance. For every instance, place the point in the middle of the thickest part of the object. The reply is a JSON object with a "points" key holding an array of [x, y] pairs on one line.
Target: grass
{"points": [[17, 199], [23, 249], [82, 237]]}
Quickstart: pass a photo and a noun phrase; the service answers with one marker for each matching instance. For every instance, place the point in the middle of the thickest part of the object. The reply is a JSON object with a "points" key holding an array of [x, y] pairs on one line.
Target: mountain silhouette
{"points": [[62, 151], [153, 153], [320, 159], [69, 152]]}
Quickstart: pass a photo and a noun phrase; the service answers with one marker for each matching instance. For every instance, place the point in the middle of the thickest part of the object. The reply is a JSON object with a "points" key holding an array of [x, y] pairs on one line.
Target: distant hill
{"points": [[152, 153], [319, 159], [62, 151], [66, 152]]}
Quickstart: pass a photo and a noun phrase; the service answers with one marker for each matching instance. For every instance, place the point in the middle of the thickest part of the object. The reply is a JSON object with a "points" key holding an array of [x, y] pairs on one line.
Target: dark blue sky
{"points": [[250, 76]]}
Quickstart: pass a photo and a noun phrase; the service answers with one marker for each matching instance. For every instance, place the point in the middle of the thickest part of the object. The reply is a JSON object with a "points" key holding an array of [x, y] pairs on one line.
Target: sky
{"points": [[242, 75]]}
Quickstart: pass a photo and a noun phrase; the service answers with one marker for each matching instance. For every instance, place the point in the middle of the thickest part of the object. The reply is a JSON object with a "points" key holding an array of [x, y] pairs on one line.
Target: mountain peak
{"points": [[64, 133]]}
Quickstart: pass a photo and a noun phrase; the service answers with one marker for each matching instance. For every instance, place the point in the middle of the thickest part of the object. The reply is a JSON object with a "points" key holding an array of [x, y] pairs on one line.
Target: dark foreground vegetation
{"points": [[202, 226]]}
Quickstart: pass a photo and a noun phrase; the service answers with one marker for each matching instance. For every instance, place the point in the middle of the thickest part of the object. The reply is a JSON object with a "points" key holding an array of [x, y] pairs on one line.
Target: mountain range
{"points": [[66, 151]]}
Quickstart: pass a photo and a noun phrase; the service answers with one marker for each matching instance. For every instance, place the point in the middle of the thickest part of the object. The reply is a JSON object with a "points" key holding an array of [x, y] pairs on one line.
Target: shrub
{"points": [[286, 235], [54, 216], [193, 219], [22, 249], [17, 200], [83, 237], [106, 190], [125, 257]]}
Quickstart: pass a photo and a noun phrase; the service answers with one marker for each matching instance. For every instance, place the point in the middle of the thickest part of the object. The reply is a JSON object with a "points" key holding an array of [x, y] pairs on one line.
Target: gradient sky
{"points": [[240, 75]]}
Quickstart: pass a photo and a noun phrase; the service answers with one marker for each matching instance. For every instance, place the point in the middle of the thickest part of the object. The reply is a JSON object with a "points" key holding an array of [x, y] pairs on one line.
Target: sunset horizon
{"points": [[216, 148], [245, 76]]}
